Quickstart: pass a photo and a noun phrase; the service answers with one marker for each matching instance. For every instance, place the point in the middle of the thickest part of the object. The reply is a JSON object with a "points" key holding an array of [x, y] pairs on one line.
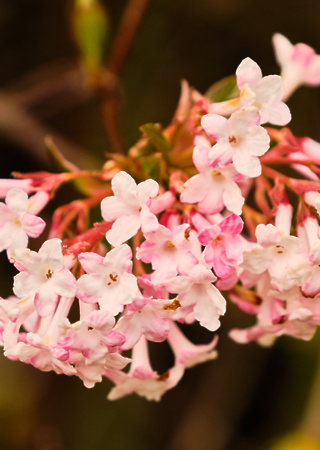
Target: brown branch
{"points": [[109, 94], [127, 32]]}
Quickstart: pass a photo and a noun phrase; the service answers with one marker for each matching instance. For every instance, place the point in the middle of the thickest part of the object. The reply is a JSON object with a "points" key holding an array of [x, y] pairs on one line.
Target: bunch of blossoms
{"points": [[177, 228]]}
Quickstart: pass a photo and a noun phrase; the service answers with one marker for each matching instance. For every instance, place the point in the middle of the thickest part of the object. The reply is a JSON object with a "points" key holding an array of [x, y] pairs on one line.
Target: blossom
{"points": [[169, 251], [108, 280], [35, 351], [141, 378], [129, 208], [145, 316], [196, 289], [187, 353], [265, 93], [44, 275], [299, 63], [240, 139], [283, 256], [280, 313], [91, 344], [223, 244], [212, 189], [16, 222]]}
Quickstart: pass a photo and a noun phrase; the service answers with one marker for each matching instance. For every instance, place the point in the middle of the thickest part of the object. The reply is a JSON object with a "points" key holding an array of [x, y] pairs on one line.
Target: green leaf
{"points": [[225, 89], [153, 131], [150, 167]]}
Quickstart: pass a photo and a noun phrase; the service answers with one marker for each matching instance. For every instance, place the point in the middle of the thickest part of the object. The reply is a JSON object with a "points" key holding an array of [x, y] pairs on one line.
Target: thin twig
{"points": [[127, 32], [110, 101]]}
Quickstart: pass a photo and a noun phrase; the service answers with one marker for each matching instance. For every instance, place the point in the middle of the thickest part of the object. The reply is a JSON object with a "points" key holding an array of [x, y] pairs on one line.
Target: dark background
{"points": [[250, 396]]}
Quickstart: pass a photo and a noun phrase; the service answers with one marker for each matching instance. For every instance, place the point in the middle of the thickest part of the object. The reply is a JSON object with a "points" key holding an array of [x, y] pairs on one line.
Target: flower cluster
{"points": [[194, 209]]}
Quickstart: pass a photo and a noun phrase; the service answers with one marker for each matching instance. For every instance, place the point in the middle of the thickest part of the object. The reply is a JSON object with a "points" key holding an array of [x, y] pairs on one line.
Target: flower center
{"points": [[113, 277], [170, 244], [216, 240], [232, 140], [49, 274]]}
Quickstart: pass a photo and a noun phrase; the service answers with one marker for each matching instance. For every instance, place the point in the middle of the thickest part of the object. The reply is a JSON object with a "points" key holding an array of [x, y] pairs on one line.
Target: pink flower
{"points": [[213, 189], [44, 275], [142, 379], [144, 316], [169, 251], [44, 357], [16, 222], [196, 289], [223, 244], [187, 353], [240, 140], [92, 336], [92, 344], [129, 208], [283, 256], [265, 93], [109, 280], [280, 313], [299, 63]]}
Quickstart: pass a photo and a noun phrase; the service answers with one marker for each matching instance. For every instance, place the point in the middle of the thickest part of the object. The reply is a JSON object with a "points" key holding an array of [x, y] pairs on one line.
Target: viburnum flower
{"points": [[278, 313], [265, 93], [223, 245], [129, 208], [92, 345], [196, 289], [213, 189], [283, 256], [299, 63], [187, 353], [16, 222], [141, 378], [169, 251], [44, 357], [108, 280], [43, 275], [80, 305], [240, 139], [145, 316]]}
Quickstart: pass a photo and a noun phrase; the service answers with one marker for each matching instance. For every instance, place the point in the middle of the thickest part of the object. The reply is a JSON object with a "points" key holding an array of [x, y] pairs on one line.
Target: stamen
{"points": [[49, 274]]}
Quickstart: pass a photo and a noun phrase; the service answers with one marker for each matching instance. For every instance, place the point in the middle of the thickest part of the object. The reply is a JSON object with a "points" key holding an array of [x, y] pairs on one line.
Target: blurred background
{"points": [[55, 82]]}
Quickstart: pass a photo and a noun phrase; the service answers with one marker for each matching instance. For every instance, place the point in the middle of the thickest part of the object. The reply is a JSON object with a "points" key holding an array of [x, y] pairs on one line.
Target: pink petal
{"points": [[124, 187], [17, 201], [123, 229], [147, 190], [248, 72], [32, 225], [215, 126], [149, 222]]}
